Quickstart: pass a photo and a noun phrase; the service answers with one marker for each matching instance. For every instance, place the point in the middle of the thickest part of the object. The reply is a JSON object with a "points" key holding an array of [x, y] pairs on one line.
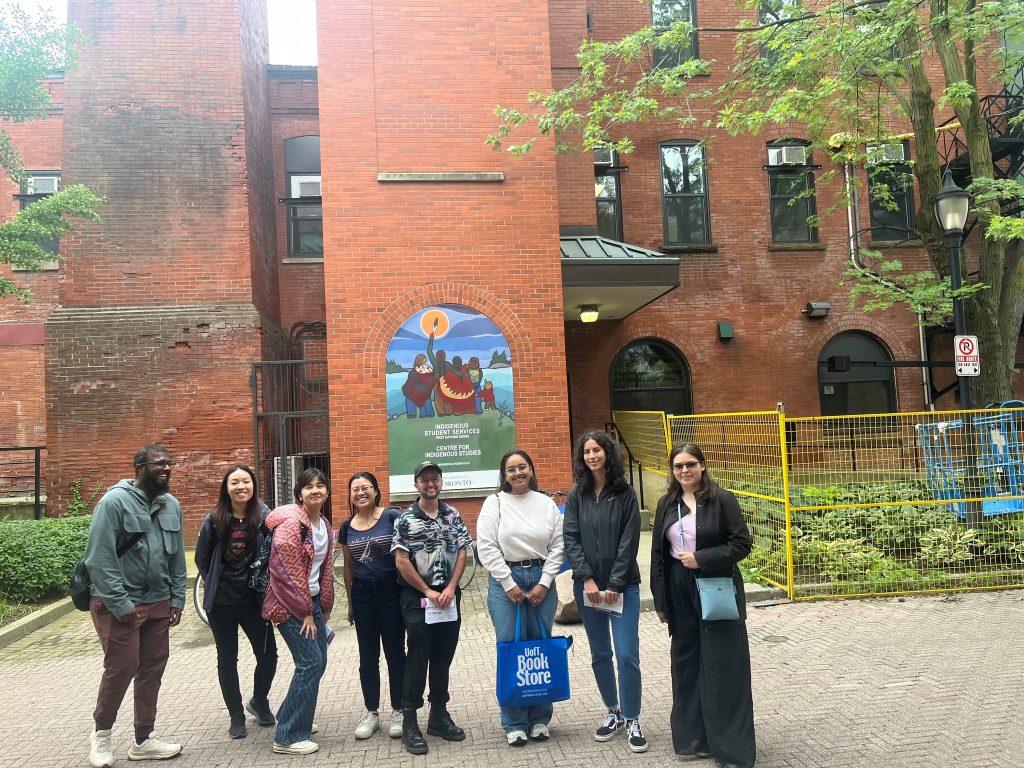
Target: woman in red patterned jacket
{"points": [[299, 600]]}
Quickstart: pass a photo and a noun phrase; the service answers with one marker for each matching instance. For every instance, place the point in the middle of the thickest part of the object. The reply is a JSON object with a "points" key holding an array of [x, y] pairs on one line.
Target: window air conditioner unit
{"points": [[305, 186], [793, 155], [286, 470], [886, 153], [42, 185], [604, 156]]}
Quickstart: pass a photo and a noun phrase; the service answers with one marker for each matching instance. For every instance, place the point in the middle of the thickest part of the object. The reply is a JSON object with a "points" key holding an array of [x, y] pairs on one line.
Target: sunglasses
{"points": [[686, 465]]}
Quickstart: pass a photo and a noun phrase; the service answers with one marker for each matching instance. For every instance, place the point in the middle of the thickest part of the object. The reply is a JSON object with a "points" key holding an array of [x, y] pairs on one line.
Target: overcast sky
{"points": [[292, 26]]}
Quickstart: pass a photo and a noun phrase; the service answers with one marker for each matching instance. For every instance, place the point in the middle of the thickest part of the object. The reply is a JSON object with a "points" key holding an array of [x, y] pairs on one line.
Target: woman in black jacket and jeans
{"points": [[227, 543], [601, 532], [699, 531]]}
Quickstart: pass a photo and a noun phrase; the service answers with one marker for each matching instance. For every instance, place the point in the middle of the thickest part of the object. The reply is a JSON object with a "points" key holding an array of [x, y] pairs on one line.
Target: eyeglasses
{"points": [[686, 465], [363, 489], [428, 479], [161, 464], [513, 470]]}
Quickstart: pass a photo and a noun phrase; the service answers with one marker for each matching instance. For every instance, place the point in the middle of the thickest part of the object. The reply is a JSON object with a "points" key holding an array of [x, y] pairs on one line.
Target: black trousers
{"points": [[378, 616], [431, 651], [225, 621], [712, 705]]}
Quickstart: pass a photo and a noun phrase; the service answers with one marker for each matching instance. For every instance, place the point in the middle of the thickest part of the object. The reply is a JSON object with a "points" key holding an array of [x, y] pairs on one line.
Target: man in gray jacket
{"points": [[136, 597]]}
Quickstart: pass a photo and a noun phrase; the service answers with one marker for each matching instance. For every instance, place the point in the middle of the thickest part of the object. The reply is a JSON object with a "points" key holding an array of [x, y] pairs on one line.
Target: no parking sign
{"points": [[966, 355]]}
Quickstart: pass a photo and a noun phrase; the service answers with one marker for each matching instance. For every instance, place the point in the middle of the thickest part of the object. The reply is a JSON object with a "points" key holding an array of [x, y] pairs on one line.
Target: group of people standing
{"points": [[402, 570]]}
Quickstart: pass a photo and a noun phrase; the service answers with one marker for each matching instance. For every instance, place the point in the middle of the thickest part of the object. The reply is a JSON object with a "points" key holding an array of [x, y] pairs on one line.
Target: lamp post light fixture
{"points": [[951, 205]]}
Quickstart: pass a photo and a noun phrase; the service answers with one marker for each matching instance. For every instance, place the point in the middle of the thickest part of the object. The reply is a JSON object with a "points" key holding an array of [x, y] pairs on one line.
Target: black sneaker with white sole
{"points": [[635, 736], [613, 723]]}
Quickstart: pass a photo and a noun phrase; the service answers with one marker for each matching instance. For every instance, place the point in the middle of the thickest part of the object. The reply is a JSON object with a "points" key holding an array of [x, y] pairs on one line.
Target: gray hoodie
{"points": [[153, 569]]}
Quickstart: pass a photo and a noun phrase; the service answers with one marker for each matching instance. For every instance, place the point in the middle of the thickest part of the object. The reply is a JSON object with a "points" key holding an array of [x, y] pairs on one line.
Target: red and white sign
{"points": [[966, 355]]}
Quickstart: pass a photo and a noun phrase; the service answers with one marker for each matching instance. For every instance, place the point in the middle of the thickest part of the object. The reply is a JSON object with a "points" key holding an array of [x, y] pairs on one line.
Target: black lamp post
{"points": [[951, 205]]}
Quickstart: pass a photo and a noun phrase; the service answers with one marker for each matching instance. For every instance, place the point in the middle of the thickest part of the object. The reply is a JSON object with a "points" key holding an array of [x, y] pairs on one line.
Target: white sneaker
{"points": [[298, 748], [539, 732], [395, 729], [313, 729], [516, 738], [100, 754], [153, 749], [368, 726]]}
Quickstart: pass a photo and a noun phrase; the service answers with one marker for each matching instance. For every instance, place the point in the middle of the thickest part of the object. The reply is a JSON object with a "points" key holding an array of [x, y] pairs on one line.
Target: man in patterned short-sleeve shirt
{"points": [[430, 553]]}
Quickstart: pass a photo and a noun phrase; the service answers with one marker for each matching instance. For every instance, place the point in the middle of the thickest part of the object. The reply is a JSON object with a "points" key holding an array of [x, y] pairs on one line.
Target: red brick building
{"points": [[267, 213]]}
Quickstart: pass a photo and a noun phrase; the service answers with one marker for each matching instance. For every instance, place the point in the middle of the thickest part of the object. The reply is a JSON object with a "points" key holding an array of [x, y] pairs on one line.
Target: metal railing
{"points": [[873, 504], [22, 475]]}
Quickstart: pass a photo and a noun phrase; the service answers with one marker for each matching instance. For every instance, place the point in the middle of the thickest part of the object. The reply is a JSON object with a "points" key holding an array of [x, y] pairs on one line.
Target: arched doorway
{"points": [[863, 388], [650, 375]]}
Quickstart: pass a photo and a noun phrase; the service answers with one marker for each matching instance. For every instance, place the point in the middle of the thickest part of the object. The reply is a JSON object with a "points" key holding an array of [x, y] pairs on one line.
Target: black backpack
{"points": [[259, 568], [79, 587]]}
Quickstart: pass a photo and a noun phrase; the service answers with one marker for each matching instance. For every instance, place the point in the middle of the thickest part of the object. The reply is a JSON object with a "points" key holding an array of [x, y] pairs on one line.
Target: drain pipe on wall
{"points": [[853, 231]]}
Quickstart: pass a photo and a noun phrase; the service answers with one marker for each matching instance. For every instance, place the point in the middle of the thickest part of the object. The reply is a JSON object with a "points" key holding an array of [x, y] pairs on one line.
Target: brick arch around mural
{"points": [[379, 336]]}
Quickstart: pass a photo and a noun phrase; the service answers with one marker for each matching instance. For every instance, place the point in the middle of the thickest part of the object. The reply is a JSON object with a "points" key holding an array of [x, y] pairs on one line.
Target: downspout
{"points": [[853, 230]]}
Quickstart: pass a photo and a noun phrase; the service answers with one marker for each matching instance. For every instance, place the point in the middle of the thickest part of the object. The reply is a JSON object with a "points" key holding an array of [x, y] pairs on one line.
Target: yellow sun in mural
{"points": [[436, 321]]}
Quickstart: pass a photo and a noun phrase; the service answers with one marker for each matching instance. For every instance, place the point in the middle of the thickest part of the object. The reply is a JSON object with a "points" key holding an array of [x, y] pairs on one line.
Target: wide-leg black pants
{"points": [[712, 705]]}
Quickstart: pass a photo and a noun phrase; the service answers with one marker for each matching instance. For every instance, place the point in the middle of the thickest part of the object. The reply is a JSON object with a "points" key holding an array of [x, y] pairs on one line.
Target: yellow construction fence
{"points": [[876, 504]]}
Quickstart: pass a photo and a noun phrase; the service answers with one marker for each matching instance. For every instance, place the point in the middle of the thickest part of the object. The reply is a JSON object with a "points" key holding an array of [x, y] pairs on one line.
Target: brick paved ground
{"points": [[928, 681]]}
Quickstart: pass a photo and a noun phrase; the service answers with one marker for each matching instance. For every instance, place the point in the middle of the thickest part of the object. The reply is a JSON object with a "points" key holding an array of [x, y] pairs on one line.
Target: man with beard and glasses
{"points": [[430, 544], [136, 562]]}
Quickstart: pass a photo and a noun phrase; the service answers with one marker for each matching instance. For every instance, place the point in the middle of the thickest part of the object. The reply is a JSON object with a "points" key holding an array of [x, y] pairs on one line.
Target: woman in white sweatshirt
{"points": [[519, 541]]}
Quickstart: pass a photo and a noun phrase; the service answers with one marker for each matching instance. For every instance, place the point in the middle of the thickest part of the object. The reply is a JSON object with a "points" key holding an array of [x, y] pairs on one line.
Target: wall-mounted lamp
{"points": [[589, 313], [725, 331], [817, 309]]}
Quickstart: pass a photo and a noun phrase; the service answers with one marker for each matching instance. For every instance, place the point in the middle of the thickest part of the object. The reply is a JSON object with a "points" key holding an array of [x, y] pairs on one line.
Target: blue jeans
{"points": [[503, 616], [625, 635], [295, 717]]}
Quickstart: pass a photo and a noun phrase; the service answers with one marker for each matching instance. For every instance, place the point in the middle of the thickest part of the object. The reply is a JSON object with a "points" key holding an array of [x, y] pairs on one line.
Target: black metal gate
{"points": [[290, 424]]}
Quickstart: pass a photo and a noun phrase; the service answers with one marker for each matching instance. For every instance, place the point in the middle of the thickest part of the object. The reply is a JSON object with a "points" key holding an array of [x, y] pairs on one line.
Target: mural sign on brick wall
{"points": [[449, 391]]}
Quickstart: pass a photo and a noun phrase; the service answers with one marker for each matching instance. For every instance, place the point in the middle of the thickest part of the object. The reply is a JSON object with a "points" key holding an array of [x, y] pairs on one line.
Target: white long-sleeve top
{"points": [[520, 527]]}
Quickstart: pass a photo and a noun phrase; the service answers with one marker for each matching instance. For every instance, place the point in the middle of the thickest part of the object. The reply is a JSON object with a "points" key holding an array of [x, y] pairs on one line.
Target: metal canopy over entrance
{"points": [[618, 278]]}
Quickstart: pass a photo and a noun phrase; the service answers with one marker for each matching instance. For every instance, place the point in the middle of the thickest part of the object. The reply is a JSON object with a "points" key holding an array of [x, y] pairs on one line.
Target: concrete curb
{"points": [[35, 620]]}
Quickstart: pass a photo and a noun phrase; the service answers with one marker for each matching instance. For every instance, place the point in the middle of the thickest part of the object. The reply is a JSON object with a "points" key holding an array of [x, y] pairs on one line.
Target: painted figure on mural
{"points": [[419, 389], [453, 391], [487, 396], [476, 378]]}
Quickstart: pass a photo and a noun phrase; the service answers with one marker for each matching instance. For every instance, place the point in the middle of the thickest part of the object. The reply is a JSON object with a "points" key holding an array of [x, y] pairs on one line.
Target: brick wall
{"points": [[22, 395], [742, 278], [118, 378], [399, 100], [171, 297]]}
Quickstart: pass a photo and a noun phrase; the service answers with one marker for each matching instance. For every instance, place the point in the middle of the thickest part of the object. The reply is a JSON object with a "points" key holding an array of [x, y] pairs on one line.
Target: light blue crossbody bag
{"points": [[717, 593]]}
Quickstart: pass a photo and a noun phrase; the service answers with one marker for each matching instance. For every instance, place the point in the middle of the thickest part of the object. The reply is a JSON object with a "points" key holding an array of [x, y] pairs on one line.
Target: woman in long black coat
{"points": [[699, 531]]}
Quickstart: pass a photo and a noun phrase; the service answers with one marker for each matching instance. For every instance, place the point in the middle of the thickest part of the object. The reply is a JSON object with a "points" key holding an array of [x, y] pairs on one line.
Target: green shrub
{"points": [[37, 556]]}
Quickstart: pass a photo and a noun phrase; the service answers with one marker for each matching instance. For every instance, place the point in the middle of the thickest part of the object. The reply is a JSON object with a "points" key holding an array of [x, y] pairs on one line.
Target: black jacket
{"points": [[722, 541], [602, 537], [209, 554]]}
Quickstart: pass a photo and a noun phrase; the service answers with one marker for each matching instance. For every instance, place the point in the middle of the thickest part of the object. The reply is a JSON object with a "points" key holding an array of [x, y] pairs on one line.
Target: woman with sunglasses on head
{"points": [[299, 599], [699, 531], [228, 541], [602, 537], [373, 606], [519, 541]]}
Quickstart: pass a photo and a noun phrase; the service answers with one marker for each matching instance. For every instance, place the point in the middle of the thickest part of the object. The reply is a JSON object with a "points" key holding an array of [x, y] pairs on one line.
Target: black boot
{"points": [[237, 728], [412, 736], [261, 711], [440, 724]]}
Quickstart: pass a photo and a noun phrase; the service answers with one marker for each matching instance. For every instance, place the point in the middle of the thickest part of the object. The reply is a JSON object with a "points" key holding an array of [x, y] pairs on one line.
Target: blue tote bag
{"points": [[533, 671]]}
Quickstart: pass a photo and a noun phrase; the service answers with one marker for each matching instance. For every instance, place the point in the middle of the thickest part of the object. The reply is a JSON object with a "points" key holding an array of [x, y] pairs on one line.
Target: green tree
{"points": [[846, 74], [32, 48]]}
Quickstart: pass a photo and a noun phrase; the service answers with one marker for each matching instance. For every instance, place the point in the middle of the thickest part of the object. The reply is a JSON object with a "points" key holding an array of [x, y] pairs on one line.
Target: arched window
{"points": [[849, 379], [650, 375]]}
